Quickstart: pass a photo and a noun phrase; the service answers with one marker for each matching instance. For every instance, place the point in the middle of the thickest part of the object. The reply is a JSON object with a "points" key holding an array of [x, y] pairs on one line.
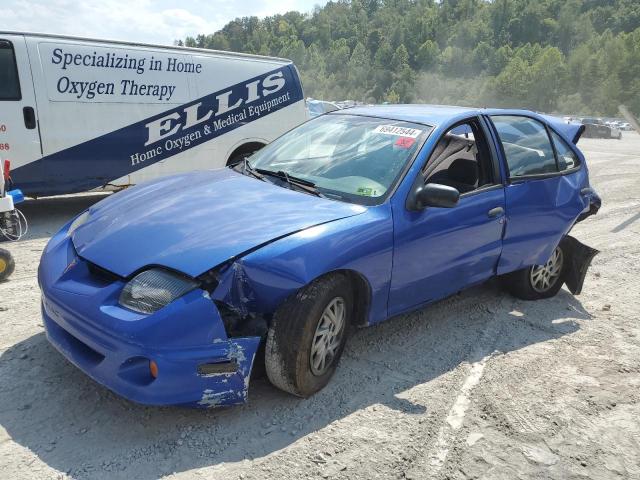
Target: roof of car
{"points": [[436, 115], [428, 114]]}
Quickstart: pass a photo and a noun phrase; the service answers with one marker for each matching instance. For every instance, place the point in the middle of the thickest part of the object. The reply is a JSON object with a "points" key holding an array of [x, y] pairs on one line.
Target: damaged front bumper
{"points": [[195, 364]]}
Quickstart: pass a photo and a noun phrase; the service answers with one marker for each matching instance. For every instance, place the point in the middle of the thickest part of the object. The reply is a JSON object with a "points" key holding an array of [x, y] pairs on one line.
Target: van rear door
{"points": [[19, 136]]}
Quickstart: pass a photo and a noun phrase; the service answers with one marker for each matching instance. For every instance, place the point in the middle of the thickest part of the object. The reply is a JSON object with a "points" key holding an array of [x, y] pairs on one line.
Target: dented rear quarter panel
{"points": [[539, 214], [540, 211]]}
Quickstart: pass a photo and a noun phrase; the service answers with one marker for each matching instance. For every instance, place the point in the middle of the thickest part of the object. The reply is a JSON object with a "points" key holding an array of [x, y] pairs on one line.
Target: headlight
{"points": [[152, 289], [78, 222]]}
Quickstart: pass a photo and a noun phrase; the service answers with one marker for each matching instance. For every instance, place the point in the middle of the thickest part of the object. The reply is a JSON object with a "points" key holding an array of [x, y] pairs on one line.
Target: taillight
{"points": [[7, 170]]}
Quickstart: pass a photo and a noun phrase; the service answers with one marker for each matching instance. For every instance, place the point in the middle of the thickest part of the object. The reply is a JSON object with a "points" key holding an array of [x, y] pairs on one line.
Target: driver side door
{"points": [[439, 251]]}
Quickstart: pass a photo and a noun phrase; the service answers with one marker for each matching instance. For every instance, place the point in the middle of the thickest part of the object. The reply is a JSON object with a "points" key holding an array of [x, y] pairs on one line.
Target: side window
{"points": [[567, 158], [9, 83], [526, 145], [461, 159]]}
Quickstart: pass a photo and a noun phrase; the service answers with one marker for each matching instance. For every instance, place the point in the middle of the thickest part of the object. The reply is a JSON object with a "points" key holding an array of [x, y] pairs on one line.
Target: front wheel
{"points": [[538, 281], [307, 336]]}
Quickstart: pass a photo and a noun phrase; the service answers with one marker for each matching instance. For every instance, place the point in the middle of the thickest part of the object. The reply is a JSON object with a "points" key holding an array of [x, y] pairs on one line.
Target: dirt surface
{"points": [[480, 385]]}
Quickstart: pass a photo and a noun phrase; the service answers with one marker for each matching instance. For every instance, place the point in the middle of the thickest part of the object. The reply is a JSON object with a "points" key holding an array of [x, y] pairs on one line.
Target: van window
{"points": [[526, 145], [9, 82]]}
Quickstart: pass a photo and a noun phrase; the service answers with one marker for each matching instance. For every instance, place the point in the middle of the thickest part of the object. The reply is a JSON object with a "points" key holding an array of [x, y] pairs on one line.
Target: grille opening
{"points": [[79, 348], [101, 274]]}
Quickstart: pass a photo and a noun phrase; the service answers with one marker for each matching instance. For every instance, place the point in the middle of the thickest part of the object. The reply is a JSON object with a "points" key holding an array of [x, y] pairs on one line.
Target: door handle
{"points": [[495, 212], [29, 115]]}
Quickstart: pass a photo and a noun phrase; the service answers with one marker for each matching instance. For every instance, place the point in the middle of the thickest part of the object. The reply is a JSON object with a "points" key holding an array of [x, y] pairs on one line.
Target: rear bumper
{"points": [[594, 203], [579, 257], [197, 364]]}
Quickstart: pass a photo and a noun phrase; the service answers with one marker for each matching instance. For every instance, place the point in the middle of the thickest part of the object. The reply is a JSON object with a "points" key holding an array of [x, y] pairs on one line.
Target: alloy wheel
{"points": [[544, 277], [328, 336]]}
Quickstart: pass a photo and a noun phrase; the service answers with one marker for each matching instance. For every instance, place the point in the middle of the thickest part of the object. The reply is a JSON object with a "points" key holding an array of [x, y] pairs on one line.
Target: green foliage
{"points": [[573, 56]]}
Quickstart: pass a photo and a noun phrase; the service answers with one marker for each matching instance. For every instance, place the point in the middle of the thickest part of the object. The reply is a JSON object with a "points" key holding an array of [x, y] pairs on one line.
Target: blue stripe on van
{"points": [[95, 163]]}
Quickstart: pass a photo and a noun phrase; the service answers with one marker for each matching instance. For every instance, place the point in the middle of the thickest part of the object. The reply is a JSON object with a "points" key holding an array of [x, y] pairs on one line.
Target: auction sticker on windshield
{"points": [[398, 131]]}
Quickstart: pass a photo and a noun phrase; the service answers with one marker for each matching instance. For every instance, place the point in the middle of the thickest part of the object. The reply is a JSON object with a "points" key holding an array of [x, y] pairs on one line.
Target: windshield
{"points": [[349, 157]]}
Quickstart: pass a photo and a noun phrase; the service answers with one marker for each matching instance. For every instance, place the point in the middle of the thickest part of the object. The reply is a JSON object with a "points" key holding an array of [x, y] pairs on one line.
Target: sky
{"points": [[147, 21]]}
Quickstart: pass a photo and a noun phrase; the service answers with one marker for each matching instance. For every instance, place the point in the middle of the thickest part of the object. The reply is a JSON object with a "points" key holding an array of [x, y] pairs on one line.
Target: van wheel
{"points": [[307, 336], [7, 265], [538, 281]]}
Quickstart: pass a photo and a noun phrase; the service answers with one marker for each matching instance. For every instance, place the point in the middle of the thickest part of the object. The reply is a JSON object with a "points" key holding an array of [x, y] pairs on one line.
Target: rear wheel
{"points": [[307, 336], [7, 265], [538, 281]]}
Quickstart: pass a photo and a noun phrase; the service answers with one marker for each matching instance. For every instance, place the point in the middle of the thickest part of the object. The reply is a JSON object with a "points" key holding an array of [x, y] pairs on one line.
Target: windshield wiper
{"points": [[247, 169], [305, 185]]}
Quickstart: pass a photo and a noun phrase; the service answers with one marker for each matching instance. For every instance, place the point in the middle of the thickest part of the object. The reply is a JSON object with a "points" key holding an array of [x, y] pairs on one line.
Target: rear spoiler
{"points": [[572, 131], [577, 131]]}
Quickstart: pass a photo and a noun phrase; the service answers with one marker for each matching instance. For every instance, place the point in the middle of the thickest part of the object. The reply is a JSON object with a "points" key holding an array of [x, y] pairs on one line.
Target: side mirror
{"points": [[436, 195]]}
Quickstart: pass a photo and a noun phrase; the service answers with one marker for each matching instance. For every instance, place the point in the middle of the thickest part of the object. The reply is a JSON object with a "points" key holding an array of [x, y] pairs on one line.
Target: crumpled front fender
{"points": [[256, 284]]}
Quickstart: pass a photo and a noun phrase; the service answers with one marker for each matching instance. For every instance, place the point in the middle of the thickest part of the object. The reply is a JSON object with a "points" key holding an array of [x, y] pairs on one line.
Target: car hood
{"points": [[196, 221]]}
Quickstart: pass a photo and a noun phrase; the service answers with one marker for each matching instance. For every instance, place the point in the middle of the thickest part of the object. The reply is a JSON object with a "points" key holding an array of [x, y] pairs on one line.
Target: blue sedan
{"points": [[167, 293]]}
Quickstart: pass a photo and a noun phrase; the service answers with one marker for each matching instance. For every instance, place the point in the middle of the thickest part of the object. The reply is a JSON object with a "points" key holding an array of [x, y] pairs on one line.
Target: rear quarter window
{"points": [[526, 145], [567, 158], [9, 82]]}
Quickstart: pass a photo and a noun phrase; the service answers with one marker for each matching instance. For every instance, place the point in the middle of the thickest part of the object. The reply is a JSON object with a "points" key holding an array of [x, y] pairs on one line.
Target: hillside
{"points": [[573, 56]]}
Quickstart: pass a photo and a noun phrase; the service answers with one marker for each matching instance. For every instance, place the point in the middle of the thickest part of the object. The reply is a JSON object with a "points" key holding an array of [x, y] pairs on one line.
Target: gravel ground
{"points": [[480, 385]]}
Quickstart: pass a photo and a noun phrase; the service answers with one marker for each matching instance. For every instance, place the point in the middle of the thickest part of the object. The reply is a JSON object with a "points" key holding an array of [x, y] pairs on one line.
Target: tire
{"points": [[293, 333], [7, 265], [527, 284]]}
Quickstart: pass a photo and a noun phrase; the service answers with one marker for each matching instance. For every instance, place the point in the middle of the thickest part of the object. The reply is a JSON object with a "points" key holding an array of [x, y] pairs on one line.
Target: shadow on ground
{"points": [[76, 426]]}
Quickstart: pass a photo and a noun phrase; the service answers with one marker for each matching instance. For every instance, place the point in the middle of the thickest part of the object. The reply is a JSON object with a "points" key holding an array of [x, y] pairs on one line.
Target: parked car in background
{"points": [[597, 128], [78, 114], [164, 292]]}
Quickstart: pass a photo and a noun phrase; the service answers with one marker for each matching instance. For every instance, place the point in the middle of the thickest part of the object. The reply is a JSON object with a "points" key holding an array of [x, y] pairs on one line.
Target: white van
{"points": [[79, 114]]}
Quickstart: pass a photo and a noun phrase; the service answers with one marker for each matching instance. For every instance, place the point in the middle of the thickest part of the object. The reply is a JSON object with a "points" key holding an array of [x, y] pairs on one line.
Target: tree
{"points": [[548, 80], [358, 71], [511, 86], [538, 54], [402, 75], [391, 96], [427, 55]]}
